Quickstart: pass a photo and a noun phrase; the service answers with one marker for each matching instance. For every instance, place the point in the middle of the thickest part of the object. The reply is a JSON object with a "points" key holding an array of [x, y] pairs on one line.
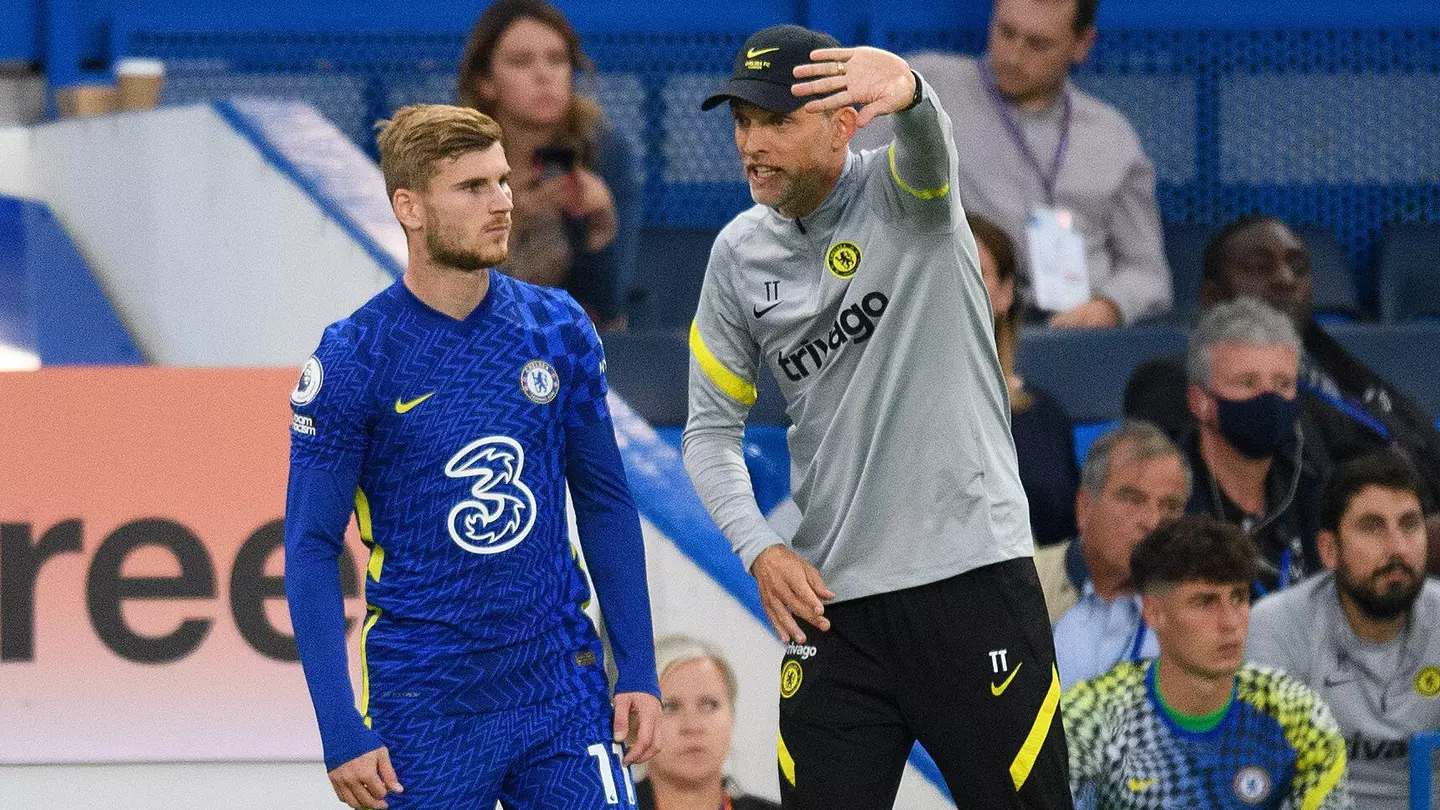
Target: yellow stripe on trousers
{"points": [[787, 762], [1024, 761]]}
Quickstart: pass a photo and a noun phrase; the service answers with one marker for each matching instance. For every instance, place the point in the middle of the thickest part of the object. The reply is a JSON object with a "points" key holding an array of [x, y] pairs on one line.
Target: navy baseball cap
{"points": [[765, 68]]}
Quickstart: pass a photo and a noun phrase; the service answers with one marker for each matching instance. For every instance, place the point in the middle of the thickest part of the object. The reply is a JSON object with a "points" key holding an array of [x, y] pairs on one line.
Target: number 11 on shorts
{"points": [[607, 774]]}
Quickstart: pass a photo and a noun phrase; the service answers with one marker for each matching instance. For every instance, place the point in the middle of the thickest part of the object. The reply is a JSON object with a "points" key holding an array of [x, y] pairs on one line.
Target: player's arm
{"points": [[1320, 782], [609, 530], [1139, 284], [724, 362], [1275, 641], [922, 157], [324, 470]]}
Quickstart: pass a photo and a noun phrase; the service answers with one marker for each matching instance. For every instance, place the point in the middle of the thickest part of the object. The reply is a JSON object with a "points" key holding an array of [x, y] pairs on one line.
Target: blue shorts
{"points": [[555, 755]]}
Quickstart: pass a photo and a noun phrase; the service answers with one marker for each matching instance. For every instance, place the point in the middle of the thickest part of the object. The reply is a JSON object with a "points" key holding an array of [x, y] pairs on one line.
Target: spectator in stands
{"points": [[1366, 634], [1044, 434], [576, 218], [1062, 169], [1134, 480], [697, 695], [1352, 410], [1198, 727], [1246, 448]]}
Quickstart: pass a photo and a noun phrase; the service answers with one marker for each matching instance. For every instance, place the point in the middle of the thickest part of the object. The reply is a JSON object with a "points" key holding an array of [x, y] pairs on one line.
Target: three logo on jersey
{"points": [[500, 510]]}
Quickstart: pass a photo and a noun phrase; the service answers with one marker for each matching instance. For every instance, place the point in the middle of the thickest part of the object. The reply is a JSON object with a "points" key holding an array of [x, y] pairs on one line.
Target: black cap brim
{"points": [[765, 95]]}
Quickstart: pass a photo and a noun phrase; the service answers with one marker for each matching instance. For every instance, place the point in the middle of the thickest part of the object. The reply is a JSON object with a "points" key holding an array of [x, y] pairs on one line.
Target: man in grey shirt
{"points": [[855, 279], [1365, 635], [1047, 146]]}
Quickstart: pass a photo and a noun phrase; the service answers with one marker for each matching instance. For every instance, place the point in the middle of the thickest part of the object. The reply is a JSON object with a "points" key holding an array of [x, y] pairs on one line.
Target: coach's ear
{"points": [[409, 209]]}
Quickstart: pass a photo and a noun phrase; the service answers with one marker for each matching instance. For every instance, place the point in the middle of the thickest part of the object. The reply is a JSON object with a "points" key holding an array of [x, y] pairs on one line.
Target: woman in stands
{"points": [[1044, 434], [576, 214], [697, 695]]}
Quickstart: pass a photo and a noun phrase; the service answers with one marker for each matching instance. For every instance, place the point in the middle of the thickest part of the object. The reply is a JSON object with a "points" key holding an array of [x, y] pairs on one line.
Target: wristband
{"points": [[919, 94]]}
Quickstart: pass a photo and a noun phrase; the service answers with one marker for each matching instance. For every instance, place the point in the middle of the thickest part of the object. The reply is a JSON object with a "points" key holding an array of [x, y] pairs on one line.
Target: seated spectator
{"points": [[1134, 480], [1197, 727], [697, 694], [1246, 447], [1044, 434], [1060, 169], [1352, 409], [1366, 634], [577, 207]]}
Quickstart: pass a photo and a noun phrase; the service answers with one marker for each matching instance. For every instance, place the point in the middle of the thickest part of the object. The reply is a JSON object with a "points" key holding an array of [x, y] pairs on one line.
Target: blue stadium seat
{"points": [[1409, 273], [1086, 370], [1404, 354], [1185, 252], [1424, 790], [650, 370], [1335, 293], [669, 269]]}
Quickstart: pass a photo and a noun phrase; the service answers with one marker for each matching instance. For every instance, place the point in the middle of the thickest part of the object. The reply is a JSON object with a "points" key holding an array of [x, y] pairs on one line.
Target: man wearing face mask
{"points": [[1246, 447], [1348, 408]]}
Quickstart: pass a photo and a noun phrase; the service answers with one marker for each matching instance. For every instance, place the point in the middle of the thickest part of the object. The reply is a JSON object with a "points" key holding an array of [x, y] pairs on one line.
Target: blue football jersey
{"points": [[457, 429]]}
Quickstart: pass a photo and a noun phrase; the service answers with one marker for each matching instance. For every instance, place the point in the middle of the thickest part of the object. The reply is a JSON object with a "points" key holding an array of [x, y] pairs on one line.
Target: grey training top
{"points": [[1106, 181], [1381, 694], [872, 314]]}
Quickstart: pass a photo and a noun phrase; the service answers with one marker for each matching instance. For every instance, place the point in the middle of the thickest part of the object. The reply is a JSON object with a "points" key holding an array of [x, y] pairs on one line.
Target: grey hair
{"points": [[1243, 320], [677, 649], [1145, 441]]}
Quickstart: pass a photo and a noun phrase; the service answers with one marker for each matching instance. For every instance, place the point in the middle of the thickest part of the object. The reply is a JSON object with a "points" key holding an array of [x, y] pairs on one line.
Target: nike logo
{"points": [[406, 407], [1137, 785], [760, 313], [997, 691], [1331, 683], [754, 52]]}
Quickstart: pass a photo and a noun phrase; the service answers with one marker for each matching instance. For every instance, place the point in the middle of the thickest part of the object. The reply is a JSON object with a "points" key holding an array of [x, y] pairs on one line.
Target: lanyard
{"points": [[1012, 127], [1350, 408], [1139, 640]]}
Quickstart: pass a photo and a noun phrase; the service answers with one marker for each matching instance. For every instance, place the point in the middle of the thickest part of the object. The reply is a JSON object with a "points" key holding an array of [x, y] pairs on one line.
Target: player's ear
{"points": [[1329, 547], [1152, 610], [409, 209]]}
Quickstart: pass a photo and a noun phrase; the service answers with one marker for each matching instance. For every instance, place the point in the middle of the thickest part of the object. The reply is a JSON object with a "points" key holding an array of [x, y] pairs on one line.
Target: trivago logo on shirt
{"points": [[855, 324]]}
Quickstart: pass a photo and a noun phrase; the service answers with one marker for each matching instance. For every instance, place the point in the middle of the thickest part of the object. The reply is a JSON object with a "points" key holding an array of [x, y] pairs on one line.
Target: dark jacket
{"points": [[1285, 534], [1368, 415], [645, 799], [1045, 445]]}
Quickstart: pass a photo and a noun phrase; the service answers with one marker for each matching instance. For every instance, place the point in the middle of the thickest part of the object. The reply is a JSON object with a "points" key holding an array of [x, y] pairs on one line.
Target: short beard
{"points": [[798, 190], [446, 253], [1394, 602]]}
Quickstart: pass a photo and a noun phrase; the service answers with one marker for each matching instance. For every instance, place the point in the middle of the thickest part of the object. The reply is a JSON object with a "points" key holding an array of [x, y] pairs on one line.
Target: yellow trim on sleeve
{"points": [[1317, 794], [1025, 760], [924, 194], [726, 380], [787, 762], [376, 562], [365, 664]]}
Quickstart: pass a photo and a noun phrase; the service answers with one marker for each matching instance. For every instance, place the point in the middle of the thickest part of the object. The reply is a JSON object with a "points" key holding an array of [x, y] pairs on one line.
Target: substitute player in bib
{"points": [[450, 411], [1366, 633], [1197, 727], [855, 279]]}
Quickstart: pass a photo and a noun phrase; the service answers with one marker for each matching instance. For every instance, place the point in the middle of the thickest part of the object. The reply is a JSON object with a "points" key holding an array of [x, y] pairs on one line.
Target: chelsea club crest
{"points": [[539, 381]]}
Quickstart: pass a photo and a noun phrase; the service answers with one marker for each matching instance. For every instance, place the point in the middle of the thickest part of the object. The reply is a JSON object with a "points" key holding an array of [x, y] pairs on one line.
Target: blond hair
{"points": [[677, 649], [421, 136]]}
